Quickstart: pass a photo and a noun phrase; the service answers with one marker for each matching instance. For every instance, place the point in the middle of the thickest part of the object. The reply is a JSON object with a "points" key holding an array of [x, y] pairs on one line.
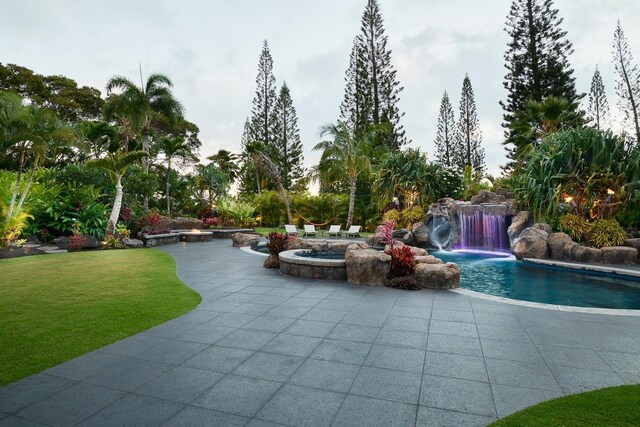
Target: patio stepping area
{"points": [[267, 349]]}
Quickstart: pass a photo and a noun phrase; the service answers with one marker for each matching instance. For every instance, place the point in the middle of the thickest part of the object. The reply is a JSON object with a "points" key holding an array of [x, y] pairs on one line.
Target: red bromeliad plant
{"points": [[386, 231], [402, 262], [212, 222], [278, 242]]}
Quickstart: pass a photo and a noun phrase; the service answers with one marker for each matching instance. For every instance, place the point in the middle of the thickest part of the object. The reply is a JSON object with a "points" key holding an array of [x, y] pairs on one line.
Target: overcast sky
{"points": [[210, 50]]}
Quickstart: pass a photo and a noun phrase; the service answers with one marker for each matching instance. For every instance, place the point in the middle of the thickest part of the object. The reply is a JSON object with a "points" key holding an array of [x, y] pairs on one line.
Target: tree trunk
{"points": [[117, 204], [168, 187], [146, 143], [285, 198], [14, 196], [352, 201], [26, 190]]}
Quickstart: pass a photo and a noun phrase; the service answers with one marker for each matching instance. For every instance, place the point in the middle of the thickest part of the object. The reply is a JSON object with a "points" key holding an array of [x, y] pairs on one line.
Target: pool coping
{"points": [[618, 270]]}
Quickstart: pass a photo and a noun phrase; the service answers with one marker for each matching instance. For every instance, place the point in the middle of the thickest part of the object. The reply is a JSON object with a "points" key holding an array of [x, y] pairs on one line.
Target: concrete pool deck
{"points": [[266, 349]]}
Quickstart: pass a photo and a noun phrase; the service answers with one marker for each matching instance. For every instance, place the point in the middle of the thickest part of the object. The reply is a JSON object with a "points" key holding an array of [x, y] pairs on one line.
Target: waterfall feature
{"points": [[483, 231], [440, 232]]}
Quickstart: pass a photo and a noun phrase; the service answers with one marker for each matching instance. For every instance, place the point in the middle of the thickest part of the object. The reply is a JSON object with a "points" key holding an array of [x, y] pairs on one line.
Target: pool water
{"points": [[322, 255], [503, 276]]}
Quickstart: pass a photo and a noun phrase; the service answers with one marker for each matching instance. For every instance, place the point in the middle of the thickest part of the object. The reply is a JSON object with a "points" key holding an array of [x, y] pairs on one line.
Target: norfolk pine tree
{"points": [[445, 137]]}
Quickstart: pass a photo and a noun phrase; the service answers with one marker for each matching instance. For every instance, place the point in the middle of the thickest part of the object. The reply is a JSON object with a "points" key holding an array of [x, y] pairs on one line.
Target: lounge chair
{"points": [[353, 231], [309, 230], [334, 230], [291, 229]]}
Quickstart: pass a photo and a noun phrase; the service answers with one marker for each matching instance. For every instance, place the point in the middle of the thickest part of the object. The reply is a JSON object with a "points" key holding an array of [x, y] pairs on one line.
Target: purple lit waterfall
{"points": [[483, 231]]}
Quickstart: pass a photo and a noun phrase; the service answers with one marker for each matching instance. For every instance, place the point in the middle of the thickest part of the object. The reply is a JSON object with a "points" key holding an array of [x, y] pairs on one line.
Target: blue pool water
{"points": [[503, 276]]}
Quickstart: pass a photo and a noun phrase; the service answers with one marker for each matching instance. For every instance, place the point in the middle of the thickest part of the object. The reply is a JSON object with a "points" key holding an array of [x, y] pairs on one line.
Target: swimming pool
{"points": [[503, 276]]}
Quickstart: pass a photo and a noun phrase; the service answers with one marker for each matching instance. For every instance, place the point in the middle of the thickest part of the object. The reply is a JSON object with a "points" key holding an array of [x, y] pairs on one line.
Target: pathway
{"points": [[263, 348]]}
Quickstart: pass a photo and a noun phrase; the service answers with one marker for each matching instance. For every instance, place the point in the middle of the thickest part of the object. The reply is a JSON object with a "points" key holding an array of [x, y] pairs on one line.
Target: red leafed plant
{"points": [[278, 242], [386, 232], [402, 262], [212, 222]]}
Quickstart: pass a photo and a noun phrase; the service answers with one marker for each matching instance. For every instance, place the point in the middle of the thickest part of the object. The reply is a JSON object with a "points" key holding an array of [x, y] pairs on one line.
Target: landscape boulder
{"points": [[543, 226], [132, 243], [619, 255], [633, 243], [560, 246], [420, 233], [242, 240], [428, 259], [487, 197], [586, 254], [183, 223], [375, 239], [90, 242], [61, 242], [437, 276], [403, 235], [519, 222], [532, 243], [366, 266]]}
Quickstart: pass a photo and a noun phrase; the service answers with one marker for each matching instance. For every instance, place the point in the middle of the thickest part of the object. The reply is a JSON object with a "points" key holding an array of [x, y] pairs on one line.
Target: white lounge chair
{"points": [[309, 230], [291, 229], [353, 231], [334, 230]]}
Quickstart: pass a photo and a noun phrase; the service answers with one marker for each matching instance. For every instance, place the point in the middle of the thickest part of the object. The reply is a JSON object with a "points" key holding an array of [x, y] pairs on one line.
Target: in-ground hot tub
{"points": [[307, 264]]}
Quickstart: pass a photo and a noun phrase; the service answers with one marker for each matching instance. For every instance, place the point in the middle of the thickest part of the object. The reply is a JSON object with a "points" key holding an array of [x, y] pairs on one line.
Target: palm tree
{"points": [[537, 120], [97, 137], [271, 170], [115, 164], [343, 157], [139, 103], [173, 147], [227, 162], [30, 134], [213, 180]]}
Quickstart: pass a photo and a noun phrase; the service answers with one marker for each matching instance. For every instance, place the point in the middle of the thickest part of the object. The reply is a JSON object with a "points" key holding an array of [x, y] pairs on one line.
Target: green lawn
{"points": [[614, 406], [56, 307]]}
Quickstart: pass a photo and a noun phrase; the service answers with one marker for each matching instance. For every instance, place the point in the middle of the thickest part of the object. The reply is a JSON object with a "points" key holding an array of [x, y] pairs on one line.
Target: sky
{"points": [[210, 50]]}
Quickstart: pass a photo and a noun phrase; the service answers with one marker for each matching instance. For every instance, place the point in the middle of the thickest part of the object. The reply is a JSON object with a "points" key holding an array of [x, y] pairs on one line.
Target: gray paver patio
{"points": [[266, 349]]}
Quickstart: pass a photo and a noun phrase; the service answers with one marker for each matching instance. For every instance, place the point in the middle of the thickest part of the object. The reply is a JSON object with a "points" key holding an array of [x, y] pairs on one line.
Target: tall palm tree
{"points": [[227, 162], [29, 134], [172, 148], [344, 156], [115, 164], [139, 103]]}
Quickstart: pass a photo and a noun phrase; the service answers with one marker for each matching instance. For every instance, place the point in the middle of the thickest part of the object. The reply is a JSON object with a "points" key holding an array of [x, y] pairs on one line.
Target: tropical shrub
{"points": [[473, 183], [393, 216], [402, 262], [212, 222], [605, 232], [580, 165], [57, 207], [238, 213], [574, 225], [411, 177], [153, 223], [412, 215], [76, 240]]}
